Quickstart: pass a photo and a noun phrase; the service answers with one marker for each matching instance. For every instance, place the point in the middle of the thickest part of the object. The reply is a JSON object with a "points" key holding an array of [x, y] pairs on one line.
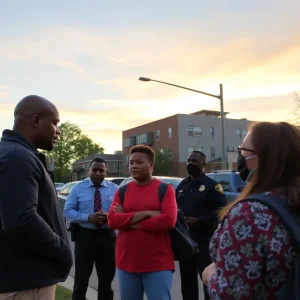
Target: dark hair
{"points": [[277, 146], [200, 153], [144, 149], [98, 160]]}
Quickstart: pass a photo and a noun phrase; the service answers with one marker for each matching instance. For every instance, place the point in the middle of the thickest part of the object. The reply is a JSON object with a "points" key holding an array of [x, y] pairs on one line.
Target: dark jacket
{"points": [[34, 248], [201, 199]]}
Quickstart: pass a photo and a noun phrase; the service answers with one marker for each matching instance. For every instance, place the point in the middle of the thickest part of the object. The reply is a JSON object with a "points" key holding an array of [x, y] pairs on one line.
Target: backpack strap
{"points": [[162, 189], [122, 191], [289, 218]]}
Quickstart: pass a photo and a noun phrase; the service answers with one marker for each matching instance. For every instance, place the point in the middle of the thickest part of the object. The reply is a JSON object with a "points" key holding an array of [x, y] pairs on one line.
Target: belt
{"points": [[106, 229]]}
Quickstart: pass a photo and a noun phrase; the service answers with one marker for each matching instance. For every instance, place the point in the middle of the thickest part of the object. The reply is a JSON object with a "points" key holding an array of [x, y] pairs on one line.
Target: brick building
{"points": [[180, 134]]}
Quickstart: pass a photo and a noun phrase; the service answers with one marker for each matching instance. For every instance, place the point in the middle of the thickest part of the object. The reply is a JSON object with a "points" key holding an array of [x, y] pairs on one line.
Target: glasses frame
{"points": [[240, 149]]}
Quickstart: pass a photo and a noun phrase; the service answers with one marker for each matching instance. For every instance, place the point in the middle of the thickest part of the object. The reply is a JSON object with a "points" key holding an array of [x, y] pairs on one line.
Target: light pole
{"points": [[220, 97]]}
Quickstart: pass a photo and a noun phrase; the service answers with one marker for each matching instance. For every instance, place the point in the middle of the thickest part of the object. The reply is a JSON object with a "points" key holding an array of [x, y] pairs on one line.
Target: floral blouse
{"points": [[253, 253]]}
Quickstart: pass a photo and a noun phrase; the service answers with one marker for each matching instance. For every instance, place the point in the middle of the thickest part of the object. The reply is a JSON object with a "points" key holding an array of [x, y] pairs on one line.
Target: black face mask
{"points": [[193, 170], [242, 167]]}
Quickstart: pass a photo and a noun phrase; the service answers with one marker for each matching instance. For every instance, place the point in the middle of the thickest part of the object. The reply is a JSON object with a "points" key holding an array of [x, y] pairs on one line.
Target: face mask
{"points": [[193, 170], [242, 167]]}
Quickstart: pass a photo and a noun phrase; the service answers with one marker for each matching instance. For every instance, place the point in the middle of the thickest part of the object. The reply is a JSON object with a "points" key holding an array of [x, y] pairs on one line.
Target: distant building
{"points": [[80, 168], [180, 134]]}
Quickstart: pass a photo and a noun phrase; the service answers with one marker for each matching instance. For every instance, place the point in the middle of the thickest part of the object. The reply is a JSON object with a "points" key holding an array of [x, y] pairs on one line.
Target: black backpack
{"points": [[291, 221], [183, 243]]}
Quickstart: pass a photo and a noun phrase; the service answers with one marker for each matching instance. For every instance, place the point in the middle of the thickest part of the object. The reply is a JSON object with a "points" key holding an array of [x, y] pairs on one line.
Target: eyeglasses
{"points": [[240, 149]]}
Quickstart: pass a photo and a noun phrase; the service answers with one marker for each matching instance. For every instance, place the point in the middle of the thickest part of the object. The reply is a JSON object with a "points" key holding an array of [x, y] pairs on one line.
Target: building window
{"points": [[169, 154], [197, 131], [190, 131], [244, 133], [191, 149], [157, 134], [117, 166], [141, 139], [239, 134], [212, 131], [161, 151], [212, 152], [127, 160], [194, 131], [169, 132], [194, 148]]}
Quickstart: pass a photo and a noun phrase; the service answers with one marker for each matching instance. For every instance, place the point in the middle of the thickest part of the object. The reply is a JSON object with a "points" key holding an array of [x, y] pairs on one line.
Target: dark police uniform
{"points": [[200, 199]]}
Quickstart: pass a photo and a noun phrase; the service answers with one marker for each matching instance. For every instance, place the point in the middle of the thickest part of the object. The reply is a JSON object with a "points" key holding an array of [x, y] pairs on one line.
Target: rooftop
{"points": [[211, 113], [106, 157]]}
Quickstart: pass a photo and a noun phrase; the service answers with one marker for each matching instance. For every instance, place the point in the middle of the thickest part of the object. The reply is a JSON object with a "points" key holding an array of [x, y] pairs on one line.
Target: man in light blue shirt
{"points": [[87, 206]]}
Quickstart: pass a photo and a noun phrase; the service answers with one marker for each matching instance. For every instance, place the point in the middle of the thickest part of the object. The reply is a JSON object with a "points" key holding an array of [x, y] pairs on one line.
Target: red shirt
{"points": [[146, 248]]}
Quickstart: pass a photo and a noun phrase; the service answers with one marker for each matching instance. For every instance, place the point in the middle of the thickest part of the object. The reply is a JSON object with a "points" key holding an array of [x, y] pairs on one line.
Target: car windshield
{"points": [[173, 181], [59, 184], [239, 181]]}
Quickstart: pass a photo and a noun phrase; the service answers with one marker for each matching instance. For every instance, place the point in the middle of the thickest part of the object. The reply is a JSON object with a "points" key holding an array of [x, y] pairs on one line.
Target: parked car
{"points": [[63, 194], [231, 182], [172, 180], [116, 180], [59, 186]]}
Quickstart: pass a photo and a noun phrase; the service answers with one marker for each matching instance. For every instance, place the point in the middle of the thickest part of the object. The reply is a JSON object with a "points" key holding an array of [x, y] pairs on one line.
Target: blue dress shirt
{"points": [[80, 202]]}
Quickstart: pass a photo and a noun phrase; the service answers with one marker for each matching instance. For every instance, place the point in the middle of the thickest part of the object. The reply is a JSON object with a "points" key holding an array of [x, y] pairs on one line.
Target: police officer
{"points": [[199, 198]]}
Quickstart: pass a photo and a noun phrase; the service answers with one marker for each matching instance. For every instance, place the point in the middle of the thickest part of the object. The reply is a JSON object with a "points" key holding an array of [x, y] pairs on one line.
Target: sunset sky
{"points": [[86, 57]]}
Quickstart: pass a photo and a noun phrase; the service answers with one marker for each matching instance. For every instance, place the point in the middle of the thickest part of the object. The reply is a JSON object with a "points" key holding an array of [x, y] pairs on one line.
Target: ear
{"points": [[35, 121], [152, 165]]}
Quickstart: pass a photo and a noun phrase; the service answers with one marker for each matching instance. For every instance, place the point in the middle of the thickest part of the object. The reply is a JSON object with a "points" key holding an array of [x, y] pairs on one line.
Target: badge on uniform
{"points": [[219, 188], [202, 188]]}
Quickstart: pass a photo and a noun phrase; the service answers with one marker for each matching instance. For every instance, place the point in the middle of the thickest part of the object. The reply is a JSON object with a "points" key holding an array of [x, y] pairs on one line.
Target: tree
{"points": [[71, 146], [295, 119], [163, 164]]}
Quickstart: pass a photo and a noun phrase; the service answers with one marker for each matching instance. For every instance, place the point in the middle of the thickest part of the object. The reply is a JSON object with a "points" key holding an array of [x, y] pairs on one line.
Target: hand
{"points": [[208, 272], [97, 218], [154, 213], [103, 217], [191, 222], [118, 208], [134, 226]]}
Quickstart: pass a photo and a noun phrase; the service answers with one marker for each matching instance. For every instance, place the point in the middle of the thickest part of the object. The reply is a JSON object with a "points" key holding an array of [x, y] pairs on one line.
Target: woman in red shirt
{"points": [[144, 257]]}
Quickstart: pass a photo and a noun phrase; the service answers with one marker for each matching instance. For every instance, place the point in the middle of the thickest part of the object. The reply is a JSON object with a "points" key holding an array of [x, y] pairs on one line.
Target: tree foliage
{"points": [[163, 164], [71, 146]]}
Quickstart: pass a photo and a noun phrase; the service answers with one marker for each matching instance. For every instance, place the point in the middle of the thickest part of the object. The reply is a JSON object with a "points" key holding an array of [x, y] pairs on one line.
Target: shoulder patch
{"points": [[219, 188]]}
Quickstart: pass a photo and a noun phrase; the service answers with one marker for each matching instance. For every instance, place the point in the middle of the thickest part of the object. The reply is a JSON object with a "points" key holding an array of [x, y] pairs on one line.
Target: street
{"points": [[176, 291]]}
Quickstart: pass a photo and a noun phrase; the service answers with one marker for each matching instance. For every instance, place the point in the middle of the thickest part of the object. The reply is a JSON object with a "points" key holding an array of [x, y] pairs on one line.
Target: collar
{"points": [[190, 178], [103, 183], [13, 136]]}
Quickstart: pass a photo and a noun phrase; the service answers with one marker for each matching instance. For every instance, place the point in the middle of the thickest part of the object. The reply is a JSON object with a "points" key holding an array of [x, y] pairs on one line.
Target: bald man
{"points": [[34, 251]]}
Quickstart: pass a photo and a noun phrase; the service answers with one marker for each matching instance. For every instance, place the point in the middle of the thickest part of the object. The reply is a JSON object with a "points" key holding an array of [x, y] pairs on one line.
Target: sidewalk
{"points": [[91, 294]]}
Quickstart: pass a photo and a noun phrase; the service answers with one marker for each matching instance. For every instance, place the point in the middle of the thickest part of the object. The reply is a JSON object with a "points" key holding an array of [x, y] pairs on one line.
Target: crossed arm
{"points": [[163, 220]]}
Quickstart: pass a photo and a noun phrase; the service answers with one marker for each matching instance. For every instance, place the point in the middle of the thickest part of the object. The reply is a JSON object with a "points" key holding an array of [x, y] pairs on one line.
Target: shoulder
{"points": [[81, 184], [209, 181], [183, 181], [213, 184], [257, 215], [111, 185], [24, 161]]}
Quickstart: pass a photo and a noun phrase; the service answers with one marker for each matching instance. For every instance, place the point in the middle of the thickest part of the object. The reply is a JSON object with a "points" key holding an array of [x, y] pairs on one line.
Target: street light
{"points": [[220, 97]]}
